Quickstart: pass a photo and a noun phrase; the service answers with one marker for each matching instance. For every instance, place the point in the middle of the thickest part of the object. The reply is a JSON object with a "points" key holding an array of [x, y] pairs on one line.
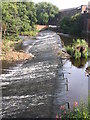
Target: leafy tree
{"points": [[10, 17], [18, 17], [45, 18], [45, 12], [76, 24], [72, 25], [30, 7], [23, 15], [65, 24]]}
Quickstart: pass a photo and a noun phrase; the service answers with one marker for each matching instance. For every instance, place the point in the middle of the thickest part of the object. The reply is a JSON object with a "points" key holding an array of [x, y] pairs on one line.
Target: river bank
{"points": [[12, 52]]}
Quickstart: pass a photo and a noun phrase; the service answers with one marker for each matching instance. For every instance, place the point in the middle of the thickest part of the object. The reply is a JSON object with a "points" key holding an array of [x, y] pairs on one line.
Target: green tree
{"points": [[76, 24], [72, 25], [30, 7], [65, 25], [18, 17], [45, 12], [23, 15], [10, 19]]}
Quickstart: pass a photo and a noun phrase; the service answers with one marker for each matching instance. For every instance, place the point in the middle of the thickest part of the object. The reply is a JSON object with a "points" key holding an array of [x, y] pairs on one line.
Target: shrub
{"points": [[77, 55], [70, 50], [78, 49]]}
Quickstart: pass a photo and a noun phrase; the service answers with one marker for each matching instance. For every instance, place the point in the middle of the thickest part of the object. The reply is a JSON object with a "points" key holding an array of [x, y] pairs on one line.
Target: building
{"points": [[88, 10]]}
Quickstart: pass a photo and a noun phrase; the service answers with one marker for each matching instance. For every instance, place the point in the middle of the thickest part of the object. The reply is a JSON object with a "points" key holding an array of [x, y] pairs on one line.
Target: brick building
{"points": [[84, 10], [88, 10], [86, 18]]}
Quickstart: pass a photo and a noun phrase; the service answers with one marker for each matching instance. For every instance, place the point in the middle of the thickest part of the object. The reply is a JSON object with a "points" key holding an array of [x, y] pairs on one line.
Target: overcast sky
{"points": [[64, 4]]}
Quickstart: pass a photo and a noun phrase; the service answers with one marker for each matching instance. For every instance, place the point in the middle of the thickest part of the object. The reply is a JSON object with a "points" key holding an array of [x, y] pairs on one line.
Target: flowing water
{"points": [[36, 88]]}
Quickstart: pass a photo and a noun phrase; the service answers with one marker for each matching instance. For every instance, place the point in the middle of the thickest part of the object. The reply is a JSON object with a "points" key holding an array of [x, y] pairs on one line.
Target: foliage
{"points": [[78, 62], [10, 17], [78, 112], [72, 25], [17, 17], [70, 50], [31, 33], [78, 49], [10, 43], [65, 24], [20, 17], [45, 12], [89, 52]]}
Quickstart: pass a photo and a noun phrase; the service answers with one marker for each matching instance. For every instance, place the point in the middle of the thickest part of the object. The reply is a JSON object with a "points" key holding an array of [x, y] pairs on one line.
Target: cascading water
{"points": [[28, 89], [36, 88]]}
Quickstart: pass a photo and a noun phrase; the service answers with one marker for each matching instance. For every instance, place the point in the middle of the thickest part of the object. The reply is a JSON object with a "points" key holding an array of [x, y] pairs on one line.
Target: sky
{"points": [[64, 4]]}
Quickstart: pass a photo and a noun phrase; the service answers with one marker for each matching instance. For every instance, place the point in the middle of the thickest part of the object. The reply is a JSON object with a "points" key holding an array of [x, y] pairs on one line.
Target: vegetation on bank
{"points": [[72, 25], [29, 33], [20, 18], [78, 112], [78, 49], [11, 50]]}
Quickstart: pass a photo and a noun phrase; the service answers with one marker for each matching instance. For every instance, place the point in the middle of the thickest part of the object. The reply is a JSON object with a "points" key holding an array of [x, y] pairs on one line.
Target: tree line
{"points": [[72, 25], [19, 17]]}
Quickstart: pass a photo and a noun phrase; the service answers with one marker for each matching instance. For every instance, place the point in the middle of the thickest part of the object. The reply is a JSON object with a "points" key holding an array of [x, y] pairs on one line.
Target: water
{"points": [[36, 88], [67, 39]]}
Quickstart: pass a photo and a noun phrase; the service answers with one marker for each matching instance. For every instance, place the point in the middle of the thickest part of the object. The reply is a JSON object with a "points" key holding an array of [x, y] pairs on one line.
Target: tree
{"points": [[30, 7], [45, 12], [72, 25], [76, 24], [65, 25], [18, 17], [23, 15], [10, 17]]}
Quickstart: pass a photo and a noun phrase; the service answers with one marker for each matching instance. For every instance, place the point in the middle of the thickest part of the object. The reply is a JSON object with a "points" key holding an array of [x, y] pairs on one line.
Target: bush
{"points": [[78, 49], [69, 50], [77, 55]]}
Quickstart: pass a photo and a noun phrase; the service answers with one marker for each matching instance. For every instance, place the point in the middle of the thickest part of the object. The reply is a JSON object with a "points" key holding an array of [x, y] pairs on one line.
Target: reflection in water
{"points": [[77, 80], [79, 63]]}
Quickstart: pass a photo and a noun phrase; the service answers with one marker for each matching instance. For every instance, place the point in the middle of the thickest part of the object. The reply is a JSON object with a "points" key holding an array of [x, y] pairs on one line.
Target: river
{"points": [[36, 88]]}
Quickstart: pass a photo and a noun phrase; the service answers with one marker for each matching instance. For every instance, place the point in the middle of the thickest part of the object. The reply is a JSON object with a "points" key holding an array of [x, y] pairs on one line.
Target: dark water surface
{"points": [[67, 39], [36, 88]]}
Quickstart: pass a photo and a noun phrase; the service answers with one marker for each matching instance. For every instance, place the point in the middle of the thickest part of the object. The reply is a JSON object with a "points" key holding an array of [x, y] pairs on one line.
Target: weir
{"points": [[29, 89]]}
